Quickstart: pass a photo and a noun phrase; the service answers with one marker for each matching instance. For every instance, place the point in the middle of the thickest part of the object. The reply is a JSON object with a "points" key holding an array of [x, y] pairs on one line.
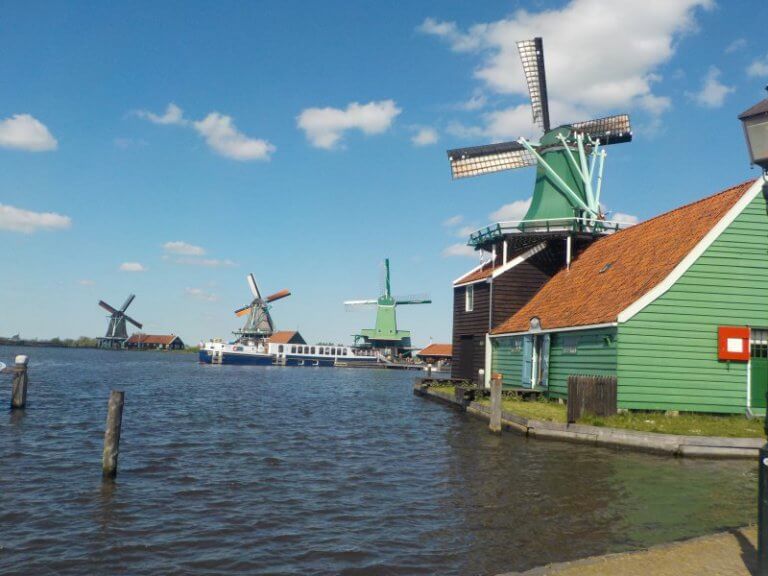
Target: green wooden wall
{"points": [[507, 360], [668, 352], [595, 355]]}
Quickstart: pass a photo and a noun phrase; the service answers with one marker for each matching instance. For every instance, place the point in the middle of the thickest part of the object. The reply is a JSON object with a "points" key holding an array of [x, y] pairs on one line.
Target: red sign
{"points": [[733, 343]]}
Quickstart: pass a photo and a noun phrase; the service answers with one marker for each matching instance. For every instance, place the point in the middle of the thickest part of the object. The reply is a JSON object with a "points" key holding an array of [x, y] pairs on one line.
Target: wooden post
{"points": [[112, 433], [20, 380], [429, 370], [495, 423]]}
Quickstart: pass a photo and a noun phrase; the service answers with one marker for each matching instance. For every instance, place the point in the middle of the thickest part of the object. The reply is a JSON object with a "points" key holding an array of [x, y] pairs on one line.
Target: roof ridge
{"points": [[684, 206]]}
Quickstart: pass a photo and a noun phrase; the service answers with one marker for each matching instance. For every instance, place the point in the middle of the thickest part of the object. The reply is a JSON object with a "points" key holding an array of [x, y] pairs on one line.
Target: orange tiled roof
{"points": [[437, 350], [617, 270], [162, 339], [483, 272], [282, 337]]}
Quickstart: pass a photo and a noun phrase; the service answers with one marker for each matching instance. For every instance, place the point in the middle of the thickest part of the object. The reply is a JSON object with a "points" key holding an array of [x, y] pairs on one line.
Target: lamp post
{"points": [[755, 122]]}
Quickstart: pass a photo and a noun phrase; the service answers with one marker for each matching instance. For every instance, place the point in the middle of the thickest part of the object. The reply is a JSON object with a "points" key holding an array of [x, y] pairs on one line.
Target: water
{"points": [[242, 470]]}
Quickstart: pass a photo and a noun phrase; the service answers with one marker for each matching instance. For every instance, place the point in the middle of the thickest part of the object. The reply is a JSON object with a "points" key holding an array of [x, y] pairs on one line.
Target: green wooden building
{"points": [[646, 304]]}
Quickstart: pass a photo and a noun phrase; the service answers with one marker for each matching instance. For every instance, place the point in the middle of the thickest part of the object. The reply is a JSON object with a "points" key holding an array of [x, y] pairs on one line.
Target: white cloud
{"points": [[759, 67], [325, 127], [424, 137], [713, 92], [608, 73], [26, 221], [459, 250], [220, 133], [86, 282], [453, 220], [626, 219], [200, 294], [223, 137], [513, 211], [477, 101], [132, 267], [25, 132], [206, 262], [173, 115], [180, 247], [465, 231], [736, 45]]}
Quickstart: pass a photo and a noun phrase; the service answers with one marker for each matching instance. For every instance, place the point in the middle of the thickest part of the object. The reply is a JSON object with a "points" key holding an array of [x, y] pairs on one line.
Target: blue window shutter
{"points": [[527, 361], [545, 360]]}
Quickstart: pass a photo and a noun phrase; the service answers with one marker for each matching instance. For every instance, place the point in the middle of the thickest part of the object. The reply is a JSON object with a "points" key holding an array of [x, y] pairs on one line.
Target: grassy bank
{"points": [[686, 424]]}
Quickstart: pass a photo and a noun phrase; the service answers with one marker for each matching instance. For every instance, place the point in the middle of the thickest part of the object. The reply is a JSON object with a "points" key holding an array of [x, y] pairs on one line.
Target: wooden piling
{"points": [[20, 381], [495, 423], [112, 433]]}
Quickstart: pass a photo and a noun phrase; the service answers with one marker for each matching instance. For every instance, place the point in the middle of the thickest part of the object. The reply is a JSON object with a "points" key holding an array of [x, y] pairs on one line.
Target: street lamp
{"points": [[755, 122]]}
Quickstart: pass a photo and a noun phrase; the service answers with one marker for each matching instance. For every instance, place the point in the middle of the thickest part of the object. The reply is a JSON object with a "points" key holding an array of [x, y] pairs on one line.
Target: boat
{"points": [[254, 346]]}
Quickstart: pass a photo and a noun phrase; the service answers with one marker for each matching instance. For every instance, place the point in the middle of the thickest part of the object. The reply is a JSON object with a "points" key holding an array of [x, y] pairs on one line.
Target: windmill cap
{"points": [[756, 110]]}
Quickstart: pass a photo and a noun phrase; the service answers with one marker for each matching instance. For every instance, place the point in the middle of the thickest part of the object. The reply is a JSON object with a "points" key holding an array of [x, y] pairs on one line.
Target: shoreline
{"points": [[667, 444]]}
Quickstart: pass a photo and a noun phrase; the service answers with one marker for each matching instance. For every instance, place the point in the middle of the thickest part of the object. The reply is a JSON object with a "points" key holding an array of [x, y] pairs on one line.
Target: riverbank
{"points": [[733, 553], [669, 444]]}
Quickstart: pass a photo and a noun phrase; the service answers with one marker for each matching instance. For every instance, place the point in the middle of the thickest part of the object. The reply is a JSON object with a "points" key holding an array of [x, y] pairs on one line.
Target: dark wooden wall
{"points": [[469, 330], [513, 289]]}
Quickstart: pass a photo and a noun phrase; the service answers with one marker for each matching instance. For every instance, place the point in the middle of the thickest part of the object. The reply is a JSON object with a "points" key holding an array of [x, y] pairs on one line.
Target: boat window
{"points": [[238, 348], [328, 351], [293, 349], [280, 349], [312, 350]]}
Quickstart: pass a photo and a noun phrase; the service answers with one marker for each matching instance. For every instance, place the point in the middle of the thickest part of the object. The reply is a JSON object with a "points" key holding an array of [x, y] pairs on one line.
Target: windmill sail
{"points": [[117, 332], [477, 160], [259, 323], [532, 57], [610, 130]]}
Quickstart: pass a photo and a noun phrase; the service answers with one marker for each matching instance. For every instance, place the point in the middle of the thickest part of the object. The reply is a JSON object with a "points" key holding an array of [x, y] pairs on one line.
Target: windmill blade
{"points": [[532, 57], [107, 307], [132, 321], [413, 299], [278, 295], [610, 130], [360, 304], [466, 162], [243, 311], [127, 302], [254, 287]]}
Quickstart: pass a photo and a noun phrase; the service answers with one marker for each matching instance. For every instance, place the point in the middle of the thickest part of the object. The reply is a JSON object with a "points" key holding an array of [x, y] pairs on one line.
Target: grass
{"points": [[686, 424]]}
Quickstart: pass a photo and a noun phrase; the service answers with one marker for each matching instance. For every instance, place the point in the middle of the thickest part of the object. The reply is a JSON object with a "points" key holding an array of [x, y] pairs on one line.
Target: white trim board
{"points": [[552, 330], [475, 269], [661, 288]]}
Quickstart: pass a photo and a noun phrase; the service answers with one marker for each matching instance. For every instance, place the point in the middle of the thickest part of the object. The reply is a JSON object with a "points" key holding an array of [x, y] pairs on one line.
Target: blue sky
{"points": [[308, 141]]}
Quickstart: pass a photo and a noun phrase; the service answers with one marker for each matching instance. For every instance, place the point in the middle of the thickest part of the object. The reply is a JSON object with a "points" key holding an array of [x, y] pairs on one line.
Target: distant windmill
{"points": [[117, 333], [259, 323], [386, 335], [569, 159]]}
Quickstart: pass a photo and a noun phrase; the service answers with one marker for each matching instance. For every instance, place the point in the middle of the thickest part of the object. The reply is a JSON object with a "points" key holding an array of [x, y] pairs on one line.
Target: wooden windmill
{"points": [[259, 323], [569, 160], [117, 331], [385, 334]]}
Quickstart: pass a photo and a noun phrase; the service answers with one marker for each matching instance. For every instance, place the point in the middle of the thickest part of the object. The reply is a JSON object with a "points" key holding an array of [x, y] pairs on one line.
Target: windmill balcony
{"points": [[557, 226]]}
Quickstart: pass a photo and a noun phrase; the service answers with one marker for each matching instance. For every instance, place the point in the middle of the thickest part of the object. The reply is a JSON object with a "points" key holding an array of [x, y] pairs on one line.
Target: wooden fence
{"points": [[594, 395]]}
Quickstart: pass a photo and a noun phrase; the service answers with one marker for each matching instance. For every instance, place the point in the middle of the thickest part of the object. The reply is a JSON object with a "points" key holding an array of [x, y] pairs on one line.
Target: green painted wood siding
{"points": [[668, 352], [507, 360], [595, 354]]}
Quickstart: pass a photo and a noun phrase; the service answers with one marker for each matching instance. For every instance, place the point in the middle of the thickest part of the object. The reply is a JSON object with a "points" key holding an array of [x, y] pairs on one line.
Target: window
{"points": [[570, 344], [293, 349], [517, 344], [280, 349], [469, 298], [312, 350]]}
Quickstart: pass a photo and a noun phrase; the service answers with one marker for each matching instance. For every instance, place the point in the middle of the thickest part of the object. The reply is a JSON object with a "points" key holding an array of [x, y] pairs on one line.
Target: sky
{"points": [[168, 149]]}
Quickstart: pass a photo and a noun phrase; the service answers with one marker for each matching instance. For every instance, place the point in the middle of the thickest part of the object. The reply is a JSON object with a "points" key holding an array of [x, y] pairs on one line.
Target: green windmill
{"points": [[569, 160], [385, 336]]}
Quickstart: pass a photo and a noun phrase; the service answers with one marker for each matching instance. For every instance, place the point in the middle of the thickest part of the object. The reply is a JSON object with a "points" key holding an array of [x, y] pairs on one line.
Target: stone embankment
{"points": [[670, 444]]}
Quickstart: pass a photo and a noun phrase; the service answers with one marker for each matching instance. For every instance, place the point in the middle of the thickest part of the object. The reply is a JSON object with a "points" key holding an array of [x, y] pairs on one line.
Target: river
{"points": [[269, 470]]}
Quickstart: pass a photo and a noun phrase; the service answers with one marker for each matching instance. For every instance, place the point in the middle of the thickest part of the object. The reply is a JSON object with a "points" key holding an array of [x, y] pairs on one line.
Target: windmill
{"points": [[386, 335], [569, 161], [117, 332], [259, 323]]}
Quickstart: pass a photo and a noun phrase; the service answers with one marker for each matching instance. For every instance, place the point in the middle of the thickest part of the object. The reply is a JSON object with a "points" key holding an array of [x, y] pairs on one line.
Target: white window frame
{"points": [[469, 298]]}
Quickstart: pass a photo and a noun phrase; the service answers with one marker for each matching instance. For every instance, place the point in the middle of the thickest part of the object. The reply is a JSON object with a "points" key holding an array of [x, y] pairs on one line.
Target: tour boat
{"points": [[263, 353]]}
